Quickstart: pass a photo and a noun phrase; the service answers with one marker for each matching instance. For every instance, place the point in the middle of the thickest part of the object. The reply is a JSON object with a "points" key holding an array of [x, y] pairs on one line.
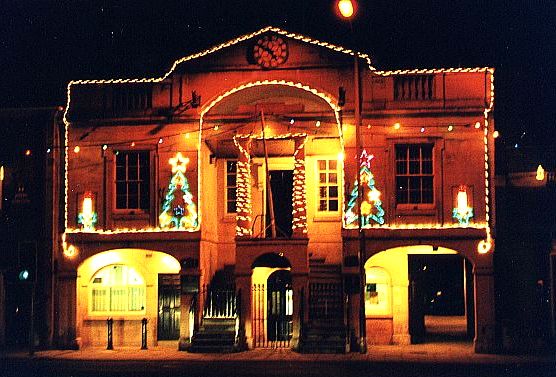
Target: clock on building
{"points": [[270, 51]]}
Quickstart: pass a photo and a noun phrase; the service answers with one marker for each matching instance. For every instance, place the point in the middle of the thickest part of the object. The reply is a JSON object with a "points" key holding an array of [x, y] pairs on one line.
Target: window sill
{"points": [[324, 217], [116, 317], [130, 215], [416, 209], [379, 316]]}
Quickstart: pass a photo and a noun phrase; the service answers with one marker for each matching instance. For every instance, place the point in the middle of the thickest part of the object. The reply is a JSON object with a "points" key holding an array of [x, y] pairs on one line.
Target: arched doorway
{"points": [[440, 306], [128, 285], [272, 301], [279, 306], [417, 294]]}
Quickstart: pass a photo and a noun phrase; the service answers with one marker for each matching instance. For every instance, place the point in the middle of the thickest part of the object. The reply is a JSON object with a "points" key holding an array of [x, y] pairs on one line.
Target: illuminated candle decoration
{"points": [[462, 212], [540, 173], [87, 217], [178, 209], [371, 206]]}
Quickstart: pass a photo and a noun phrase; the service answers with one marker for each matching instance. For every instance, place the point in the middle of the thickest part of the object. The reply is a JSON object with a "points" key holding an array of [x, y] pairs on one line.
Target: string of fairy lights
{"points": [[244, 207]]}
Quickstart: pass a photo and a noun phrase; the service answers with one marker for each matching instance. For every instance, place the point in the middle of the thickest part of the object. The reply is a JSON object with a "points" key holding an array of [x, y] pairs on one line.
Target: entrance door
{"points": [[169, 306], [281, 184], [280, 306]]}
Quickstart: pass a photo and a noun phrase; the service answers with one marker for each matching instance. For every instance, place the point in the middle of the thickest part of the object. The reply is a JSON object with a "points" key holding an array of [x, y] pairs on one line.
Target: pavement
{"points": [[449, 353]]}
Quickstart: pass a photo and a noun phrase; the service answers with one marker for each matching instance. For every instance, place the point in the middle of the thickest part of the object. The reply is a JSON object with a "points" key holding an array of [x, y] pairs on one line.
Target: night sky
{"points": [[45, 43]]}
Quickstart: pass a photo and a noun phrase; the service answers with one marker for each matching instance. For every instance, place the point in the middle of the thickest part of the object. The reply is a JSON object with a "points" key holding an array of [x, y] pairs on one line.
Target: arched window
{"points": [[117, 289], [377, 292]]}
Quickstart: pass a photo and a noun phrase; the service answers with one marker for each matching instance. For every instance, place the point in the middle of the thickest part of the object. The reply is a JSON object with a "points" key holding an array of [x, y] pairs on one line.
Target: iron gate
{"points": [[169, 296], [272, 319], [326, 302]]}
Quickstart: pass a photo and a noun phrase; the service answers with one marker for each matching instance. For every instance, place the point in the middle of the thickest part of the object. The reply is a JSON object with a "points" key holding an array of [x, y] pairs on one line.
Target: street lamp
{"points": [[347, 10]]}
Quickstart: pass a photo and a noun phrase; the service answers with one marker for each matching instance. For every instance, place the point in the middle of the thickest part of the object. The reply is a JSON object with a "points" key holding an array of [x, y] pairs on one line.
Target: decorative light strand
{"points": [[485, 245], [299, 211], [421, 71]]}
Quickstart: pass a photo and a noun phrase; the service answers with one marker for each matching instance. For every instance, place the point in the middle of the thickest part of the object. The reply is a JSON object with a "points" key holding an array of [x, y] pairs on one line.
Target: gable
{"points": [[245, 53]]}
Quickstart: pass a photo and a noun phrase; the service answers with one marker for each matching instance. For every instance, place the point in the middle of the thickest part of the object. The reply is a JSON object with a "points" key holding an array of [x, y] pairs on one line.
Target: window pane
{"points": [[414, 183], [231, 207], [118, 299], [401, 167], [322, 205], [144, 195], [332, 205], [427, 196], [426, 152], [135, 298], [144, 159], [401, 152], [322, 192], [132, 173], [231, 192], [120, 173], [332, 178], [427, 183], [133, 191], [402, 197], [414, 196], [231, 180], [427, 167], [144, 173], [333, 191], [120, 159], [322, 164], [98, 300], [332, 164], [132, 159], [121, 201], [322, 177], [414, 152], [231, 166], [414, 167]]}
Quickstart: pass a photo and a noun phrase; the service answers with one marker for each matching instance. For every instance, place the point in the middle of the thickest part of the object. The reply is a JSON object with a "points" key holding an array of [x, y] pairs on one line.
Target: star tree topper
{"points": [[179, 163]]}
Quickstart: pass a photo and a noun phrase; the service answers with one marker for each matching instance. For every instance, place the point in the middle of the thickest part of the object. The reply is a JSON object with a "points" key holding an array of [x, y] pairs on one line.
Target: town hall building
{"points": [[275, 191]]}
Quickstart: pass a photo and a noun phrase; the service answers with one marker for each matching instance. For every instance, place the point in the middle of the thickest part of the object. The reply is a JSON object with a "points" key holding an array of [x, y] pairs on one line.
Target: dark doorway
{"points": [[281, 184], [280, 306], [441, 304], [169, 306], [18, 313]]}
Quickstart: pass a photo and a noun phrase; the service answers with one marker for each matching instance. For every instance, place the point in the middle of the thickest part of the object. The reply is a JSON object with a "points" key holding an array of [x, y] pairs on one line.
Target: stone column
{"points": [[484, 307], [186, 323], [299, 283], [244, 206], [243, 285], [299, 205]]}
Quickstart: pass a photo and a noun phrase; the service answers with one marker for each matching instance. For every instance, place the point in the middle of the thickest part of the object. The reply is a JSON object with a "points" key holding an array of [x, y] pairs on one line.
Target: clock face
{"points": [[270, 51]]}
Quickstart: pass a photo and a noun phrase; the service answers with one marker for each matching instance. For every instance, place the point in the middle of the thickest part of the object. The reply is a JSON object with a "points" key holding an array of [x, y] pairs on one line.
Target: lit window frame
{"points": [[327, 184], [421, 204], [139, 209], [130, 291]]}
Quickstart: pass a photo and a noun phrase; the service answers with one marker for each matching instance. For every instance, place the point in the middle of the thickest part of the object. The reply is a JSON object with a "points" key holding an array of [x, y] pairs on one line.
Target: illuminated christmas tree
{"points": [[178, 209], [371, 206]]}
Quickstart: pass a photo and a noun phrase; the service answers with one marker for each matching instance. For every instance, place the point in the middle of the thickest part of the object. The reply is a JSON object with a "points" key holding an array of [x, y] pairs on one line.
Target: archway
{"points": [[257, 133], [416, 294], [272, 301], [128, 285]]}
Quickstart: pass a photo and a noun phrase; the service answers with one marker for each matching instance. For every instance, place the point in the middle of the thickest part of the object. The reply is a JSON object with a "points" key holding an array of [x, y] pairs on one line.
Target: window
{"points": [[414, 174], [231, 186], [117, 288], [328, 185], [132, 180]]}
